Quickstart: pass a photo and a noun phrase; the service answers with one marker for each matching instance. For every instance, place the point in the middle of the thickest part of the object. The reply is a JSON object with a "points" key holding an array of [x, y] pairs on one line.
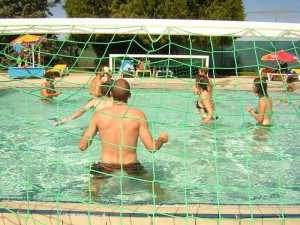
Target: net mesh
{"points": [[230, 162]]}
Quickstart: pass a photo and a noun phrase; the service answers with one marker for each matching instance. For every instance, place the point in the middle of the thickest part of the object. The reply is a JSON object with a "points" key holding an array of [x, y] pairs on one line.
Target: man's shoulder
{"points": [[137, 112]]}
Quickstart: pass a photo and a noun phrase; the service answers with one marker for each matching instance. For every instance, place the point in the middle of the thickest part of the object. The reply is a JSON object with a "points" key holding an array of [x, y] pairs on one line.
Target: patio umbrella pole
{"points": [[32, 49]]}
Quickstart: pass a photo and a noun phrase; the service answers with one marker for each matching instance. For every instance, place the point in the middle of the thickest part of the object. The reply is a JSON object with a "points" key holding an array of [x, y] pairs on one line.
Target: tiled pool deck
{"points": [[14, 212], [79, 80]]}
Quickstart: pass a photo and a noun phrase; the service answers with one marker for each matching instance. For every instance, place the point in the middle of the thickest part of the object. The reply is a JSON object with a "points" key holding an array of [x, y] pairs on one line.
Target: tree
{"points": [[26, 9], [159, 9]]}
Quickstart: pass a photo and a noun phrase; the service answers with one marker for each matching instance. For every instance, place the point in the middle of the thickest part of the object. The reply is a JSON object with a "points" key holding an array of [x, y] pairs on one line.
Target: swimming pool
{"points": [[228, 162]]}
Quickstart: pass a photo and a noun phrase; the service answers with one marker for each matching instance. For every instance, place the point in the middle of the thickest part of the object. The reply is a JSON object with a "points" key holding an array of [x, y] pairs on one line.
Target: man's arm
{"points": [[147, 138], [87, 137]]}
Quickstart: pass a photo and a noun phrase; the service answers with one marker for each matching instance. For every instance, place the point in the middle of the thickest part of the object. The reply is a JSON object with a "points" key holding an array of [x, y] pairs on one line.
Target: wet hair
{"points": [[203, 70], [121, 90], [202, 82], [106, 87], [49, 75], [261, 87]]}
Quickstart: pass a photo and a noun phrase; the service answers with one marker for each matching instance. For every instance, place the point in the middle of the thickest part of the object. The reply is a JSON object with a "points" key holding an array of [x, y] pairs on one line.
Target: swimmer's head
{"points": [[260, 87], [203, 71], [121, 91], [49, 75]]}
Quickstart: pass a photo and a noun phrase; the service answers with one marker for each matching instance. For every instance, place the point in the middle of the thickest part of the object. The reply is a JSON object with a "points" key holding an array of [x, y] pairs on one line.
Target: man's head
{"points": [[121, 91]]}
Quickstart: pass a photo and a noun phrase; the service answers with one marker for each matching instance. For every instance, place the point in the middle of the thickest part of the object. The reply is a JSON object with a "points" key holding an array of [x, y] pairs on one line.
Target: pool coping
{"points": [[83, 80], [72, 213]]}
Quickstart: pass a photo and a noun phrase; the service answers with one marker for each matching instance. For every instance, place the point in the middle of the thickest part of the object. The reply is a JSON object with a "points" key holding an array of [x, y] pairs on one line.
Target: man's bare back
{"points": [[119, 127]]}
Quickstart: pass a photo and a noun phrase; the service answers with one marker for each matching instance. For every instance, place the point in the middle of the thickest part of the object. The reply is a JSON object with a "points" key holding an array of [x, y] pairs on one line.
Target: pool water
{"points": [[228, 162]]}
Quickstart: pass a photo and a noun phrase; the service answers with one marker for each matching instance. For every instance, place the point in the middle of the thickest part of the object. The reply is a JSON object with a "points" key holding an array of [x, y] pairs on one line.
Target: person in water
{"points": [[265, 104], [48, 90], [205, 103], [120, 126], [204, 71], [96, 103]]}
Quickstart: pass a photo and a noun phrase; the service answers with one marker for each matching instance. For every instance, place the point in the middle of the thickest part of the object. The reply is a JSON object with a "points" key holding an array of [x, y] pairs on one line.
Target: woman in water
{"points": [[265, 105], [205, 102]]}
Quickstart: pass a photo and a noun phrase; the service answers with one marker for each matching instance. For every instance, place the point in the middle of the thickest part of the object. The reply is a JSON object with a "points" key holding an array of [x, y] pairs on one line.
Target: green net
{"points": [[225, 172]]}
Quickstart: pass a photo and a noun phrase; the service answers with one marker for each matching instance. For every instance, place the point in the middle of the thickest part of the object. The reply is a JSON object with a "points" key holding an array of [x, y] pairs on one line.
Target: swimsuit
{"points": [[205, 110], [199, 107], [101, 170]]}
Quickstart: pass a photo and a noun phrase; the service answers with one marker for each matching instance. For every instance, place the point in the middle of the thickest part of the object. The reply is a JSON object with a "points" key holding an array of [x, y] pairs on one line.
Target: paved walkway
{"points": [[79, 80]]}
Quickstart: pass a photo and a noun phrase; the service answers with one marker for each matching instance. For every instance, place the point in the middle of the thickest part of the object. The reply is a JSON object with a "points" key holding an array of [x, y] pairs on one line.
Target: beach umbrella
{"points": [[281, 56], [28, 40]]}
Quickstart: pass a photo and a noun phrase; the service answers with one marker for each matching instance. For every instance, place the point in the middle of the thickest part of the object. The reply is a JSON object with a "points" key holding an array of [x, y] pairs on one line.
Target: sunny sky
{"points": [[285, 11]]}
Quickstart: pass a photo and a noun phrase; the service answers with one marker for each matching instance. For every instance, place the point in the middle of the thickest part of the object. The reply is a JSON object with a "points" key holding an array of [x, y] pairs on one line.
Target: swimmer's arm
{"points": [[259, 115], [91, 89], [97, 89], [80, 112], [210, 85], [45, 93], [87, 137], [147, 138], [76, 114]]}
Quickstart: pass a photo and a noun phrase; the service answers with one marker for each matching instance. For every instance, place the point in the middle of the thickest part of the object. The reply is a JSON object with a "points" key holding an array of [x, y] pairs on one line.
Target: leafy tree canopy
{"points": [[159, 9], [170, 9], [26, 9]]}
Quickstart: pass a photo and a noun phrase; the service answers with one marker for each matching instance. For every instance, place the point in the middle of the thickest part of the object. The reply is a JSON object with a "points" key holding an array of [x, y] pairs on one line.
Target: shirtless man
{"points": [[265, 105], [96, 103], [48, 89], [119, 127]]}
